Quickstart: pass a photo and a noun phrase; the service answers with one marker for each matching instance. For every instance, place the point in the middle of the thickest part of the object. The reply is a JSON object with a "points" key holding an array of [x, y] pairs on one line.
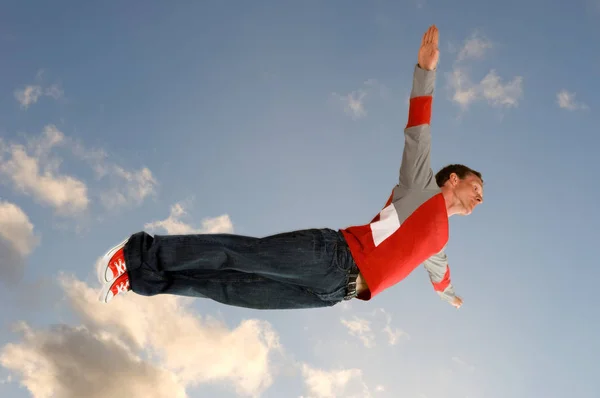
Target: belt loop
{"points": [[351, 291]]}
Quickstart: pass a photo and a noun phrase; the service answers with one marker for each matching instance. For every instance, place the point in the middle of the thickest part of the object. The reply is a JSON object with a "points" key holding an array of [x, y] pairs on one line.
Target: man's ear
{"points": [[454, 179]]}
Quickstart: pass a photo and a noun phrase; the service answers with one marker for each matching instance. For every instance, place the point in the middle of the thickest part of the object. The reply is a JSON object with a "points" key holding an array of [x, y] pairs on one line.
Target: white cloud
{"points": [[54, 91], [465, 92], [33, 172], [501, 94], [335, 383], [393, 334], [31, 93], [96, 158], [126, 187], [16, 228], [68, 361], [566, 100], [33, 169], [364, 329], [17, 241], [474, 47], [354, 102], [219, 224], [360, 328], [129, 187], [239, 356], [491, 88], [28, 95], [173, 225], [139, 347], [51, 137]]}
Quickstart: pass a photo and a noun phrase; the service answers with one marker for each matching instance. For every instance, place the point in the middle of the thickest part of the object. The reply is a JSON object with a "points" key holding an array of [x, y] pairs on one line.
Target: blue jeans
{"points": [[299, 269]]}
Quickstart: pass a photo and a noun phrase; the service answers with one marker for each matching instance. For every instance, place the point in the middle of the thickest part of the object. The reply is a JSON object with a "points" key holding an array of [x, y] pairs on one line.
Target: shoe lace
{"points": [[123, 287], [119, 266]]}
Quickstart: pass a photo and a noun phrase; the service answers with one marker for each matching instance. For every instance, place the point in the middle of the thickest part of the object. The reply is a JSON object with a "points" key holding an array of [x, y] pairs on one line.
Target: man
{"points": [[318, 267]]}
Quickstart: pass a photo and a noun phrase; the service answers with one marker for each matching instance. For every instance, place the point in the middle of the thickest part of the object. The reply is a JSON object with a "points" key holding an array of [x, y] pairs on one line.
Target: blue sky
{"points": [[261, 117]]}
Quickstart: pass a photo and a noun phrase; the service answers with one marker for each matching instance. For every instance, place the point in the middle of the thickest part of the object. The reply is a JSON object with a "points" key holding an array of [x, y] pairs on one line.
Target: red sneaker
{"points": [[113, 263], [110, 290]]}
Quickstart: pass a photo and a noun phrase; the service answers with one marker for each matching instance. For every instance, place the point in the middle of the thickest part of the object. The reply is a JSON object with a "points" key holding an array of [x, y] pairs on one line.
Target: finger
{"points": [[435, 35], [424, 39], [434, 31], [428, 36]]}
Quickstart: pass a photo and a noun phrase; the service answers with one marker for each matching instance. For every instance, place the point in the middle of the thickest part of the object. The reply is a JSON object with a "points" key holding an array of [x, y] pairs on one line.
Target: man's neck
{"points": [[452, 203]]}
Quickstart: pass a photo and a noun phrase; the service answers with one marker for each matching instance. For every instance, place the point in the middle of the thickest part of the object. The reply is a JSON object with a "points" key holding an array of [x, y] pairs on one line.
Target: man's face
{"points": [[469, 192]]}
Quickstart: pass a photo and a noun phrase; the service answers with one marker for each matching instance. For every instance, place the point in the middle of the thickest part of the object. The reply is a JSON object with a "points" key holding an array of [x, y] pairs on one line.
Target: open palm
{"points": [[429, 52]]}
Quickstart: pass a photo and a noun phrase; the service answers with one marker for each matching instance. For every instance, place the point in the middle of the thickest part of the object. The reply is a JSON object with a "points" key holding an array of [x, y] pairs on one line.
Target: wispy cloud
{"points": [[31, 93], [491, 88], [361, 328], [474, 47], [173, 225], [354, 102], [334, 383], [394, 334], [129, 187], [33, 169], [566, 100], [54, 90], [17, 241], [465, 92], [28, 95], [126, 187], [501, 94], [365, 329], [463, 364]]}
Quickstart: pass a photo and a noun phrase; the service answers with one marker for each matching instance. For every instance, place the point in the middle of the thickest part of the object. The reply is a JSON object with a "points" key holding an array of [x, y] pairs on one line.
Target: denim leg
{"points": [[250, 290], [298, 269]]}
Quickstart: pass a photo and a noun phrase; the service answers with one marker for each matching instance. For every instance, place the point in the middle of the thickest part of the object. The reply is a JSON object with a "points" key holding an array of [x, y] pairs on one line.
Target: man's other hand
{"points": [[457, 302], [429, 53]]}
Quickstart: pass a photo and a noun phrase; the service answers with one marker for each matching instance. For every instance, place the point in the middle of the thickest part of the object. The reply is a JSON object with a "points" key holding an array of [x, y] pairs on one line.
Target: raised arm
{"points": [[439, 273], [415, 168]]}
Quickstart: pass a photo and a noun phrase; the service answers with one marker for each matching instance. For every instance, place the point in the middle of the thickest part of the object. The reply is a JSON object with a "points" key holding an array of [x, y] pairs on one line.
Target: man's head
{"points": [[462, 188]]}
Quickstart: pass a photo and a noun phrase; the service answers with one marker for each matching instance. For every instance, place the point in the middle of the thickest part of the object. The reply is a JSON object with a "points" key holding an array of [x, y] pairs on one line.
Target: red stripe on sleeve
{"points": [[444, 283], [419, 111]]}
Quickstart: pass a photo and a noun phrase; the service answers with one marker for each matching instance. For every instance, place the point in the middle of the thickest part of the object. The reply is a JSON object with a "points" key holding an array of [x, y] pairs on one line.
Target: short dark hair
{"points": [[461, 171]]}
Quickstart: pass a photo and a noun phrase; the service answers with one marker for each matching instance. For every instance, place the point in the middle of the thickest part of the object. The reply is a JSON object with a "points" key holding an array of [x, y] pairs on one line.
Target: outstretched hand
{"points": [[429, 53], [457, 302]]}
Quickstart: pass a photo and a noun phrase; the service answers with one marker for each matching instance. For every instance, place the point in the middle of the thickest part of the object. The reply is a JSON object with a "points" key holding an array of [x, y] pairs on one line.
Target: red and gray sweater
{"points": [[412, 228]]}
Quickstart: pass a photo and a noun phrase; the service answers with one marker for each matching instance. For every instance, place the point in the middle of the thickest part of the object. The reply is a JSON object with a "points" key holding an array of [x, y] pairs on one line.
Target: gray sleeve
{"points": [[415, 168], [439, 274]]}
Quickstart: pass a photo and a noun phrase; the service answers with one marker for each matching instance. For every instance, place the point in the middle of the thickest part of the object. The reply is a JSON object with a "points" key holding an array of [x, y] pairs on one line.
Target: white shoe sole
{"points": [[103, 297], [106, 294]]}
